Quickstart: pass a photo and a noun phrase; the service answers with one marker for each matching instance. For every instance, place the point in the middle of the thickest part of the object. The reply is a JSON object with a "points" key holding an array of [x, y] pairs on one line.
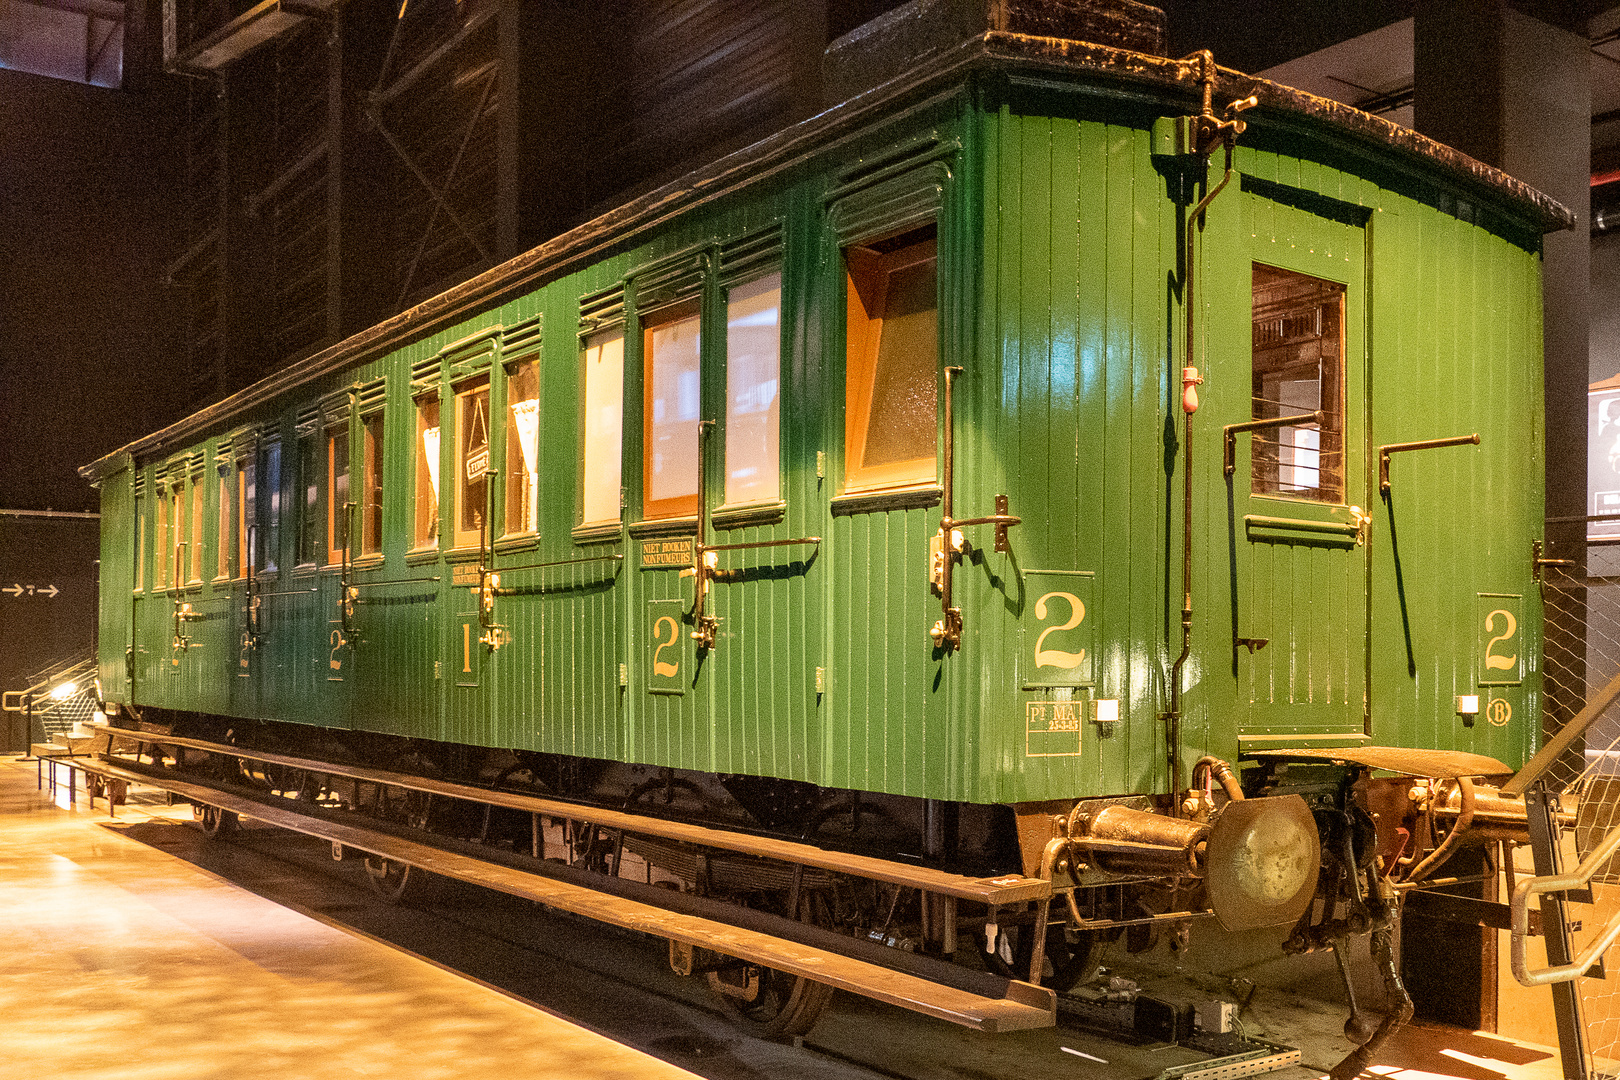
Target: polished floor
{"points": [[118, 959], [120, 962]]}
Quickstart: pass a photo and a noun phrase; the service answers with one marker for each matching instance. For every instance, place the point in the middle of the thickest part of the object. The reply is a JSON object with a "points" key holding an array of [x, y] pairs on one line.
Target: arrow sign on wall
{"points": [[16, 591]]}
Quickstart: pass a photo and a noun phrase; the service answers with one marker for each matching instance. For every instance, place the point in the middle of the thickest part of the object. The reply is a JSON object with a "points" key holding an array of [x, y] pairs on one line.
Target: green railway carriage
{"points": [[860, 461]]}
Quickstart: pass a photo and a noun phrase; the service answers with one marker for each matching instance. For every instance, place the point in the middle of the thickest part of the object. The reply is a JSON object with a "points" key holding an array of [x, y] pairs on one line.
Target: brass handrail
{"points": [[1519, 915]]}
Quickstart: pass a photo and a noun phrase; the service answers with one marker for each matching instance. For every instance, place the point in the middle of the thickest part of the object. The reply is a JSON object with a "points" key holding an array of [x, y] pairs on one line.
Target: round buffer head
{"points": [[1261, 862]]}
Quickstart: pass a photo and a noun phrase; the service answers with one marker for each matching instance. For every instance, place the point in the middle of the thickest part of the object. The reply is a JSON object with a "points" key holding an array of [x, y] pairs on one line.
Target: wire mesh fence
{"points": [[1581, 658]]}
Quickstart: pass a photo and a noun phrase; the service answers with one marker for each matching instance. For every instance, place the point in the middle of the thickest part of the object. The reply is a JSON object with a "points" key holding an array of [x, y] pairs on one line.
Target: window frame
{"points": [[771, 462], [162, 558], [462, 390], [196, 518], [311, 496], [246, 506], [373, 435], [513, 440], [1266, 471], [138, 515], [602, 456], [224, 549], [863, 349], [337, 432], [268, 511], [427, 471], [687, 311]]}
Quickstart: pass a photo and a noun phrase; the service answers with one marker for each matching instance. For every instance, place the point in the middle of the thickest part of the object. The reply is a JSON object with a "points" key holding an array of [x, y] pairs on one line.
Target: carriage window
{"points": [[472, 462], [426, 531], [245, 506], [269, 534], [310, 521], [371, 498], [891, 377], [522, 446], [224, 509], [602, 424], [337, 492], [753, 384], [670, 412], [1298, 367], [140, 543], [161, 554], [199, 494]]}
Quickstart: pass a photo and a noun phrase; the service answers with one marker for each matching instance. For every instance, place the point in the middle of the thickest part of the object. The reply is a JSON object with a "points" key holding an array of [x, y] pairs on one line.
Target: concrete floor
{"points": [[119, 960]]}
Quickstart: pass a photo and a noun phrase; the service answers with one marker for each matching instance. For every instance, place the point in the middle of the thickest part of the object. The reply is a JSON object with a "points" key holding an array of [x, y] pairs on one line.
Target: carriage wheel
{"points": [[392, 880], [217, 824], [773, 1003]]}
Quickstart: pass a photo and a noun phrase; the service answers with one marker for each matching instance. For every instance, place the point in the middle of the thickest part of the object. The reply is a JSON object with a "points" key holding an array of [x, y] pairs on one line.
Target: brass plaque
{"points": [[666, 554]]}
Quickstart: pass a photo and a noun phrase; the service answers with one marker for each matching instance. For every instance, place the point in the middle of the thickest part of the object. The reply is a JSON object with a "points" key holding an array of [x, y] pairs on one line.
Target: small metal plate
{"points": [[1262, 861]]}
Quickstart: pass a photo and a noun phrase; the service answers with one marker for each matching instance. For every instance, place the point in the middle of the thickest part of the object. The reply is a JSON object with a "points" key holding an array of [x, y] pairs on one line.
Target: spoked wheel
{"points": [[391, 880], [217, 824], [1072, 962], [773, 1003]]}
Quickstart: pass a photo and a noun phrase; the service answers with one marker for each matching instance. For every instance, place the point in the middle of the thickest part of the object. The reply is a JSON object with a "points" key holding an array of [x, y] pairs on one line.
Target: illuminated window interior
{"points": [[671, 410], [891, 379], [425, 532], [1298, 368], [522, 446], [753, 391], [337, 488], [371, 501], [603, 424], [472, 461]]}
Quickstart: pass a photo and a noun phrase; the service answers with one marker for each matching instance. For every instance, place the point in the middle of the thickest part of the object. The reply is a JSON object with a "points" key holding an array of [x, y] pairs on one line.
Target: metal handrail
{"points": [[1519, 913], [1560, 743], [67, 671]]}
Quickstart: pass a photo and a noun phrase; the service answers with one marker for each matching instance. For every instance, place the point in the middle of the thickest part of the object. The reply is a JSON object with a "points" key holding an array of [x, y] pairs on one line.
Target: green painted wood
{"points": [[1060, 247]]}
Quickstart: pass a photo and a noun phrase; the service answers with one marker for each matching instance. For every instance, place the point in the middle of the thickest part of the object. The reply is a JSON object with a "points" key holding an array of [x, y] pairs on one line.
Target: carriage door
{"points": [[1295, 470]]}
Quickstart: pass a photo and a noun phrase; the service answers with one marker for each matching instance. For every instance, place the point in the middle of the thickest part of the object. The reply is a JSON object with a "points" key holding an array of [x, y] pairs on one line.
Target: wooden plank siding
{"points": [[1061, 292]]}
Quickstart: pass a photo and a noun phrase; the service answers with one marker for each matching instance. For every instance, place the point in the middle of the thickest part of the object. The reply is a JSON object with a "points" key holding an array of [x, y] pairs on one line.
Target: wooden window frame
{"points": [[423, 469], [139, 517], [337, 524], [863, 338], [514, 449], [774, 448], [673, 506], [595, 472], [268, 511], [311, 490], [461, 489], [223, 547], [372, 478], [246, 505], [1270, 336]]}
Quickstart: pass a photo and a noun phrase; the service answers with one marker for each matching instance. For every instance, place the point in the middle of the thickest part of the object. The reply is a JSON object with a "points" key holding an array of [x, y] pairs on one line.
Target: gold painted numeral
{"points": [[1058, 658], [1495, 661], [663, 668], [466, 648]]}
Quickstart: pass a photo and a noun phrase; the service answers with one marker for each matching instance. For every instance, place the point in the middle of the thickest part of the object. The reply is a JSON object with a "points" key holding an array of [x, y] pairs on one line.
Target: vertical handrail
{"points": [[705, 627], [1539, 806]]}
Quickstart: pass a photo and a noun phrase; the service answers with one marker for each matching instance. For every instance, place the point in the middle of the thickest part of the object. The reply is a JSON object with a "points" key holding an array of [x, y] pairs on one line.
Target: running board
{"points": [[996, 1005], [994, 891]]}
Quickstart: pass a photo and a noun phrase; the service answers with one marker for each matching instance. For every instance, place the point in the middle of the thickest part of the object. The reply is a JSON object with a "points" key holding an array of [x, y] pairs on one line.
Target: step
{"points": [[1005, 889], [1019, 1006]]}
